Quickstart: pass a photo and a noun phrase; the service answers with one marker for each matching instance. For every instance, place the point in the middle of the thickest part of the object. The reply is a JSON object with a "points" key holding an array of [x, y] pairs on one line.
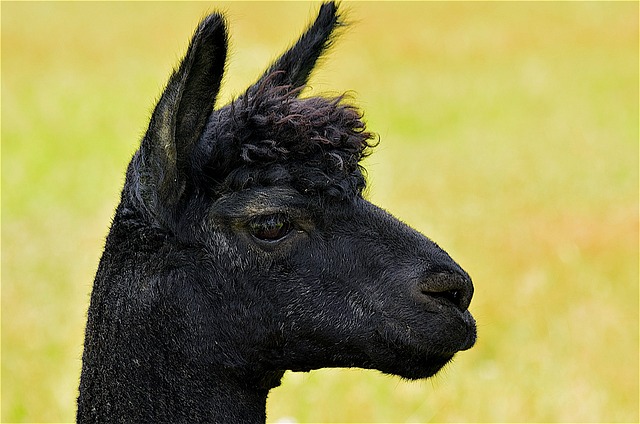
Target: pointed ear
{"points": [[163, 162], [294, 67]]}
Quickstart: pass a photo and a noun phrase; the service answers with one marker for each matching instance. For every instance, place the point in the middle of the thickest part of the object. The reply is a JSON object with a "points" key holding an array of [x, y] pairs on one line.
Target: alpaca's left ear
{"points": [[162, 166], [294, 67]]}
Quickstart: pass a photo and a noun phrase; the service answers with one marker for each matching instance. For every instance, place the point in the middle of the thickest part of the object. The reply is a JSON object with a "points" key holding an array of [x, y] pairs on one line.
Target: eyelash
{"points": [[270, 228]]}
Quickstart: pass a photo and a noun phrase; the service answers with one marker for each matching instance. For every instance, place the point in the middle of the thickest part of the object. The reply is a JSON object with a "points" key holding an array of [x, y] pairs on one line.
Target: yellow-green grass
{"points": [[509, 134]]}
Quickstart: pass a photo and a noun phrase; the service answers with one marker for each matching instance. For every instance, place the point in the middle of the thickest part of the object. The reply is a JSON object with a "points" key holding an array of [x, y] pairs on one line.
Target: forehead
{"points": [[314, 145]]}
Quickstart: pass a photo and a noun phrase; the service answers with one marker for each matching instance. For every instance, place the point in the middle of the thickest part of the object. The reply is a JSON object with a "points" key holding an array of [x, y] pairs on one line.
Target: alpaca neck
{"points": [[242, 398], [178, 395], [232, 403]]}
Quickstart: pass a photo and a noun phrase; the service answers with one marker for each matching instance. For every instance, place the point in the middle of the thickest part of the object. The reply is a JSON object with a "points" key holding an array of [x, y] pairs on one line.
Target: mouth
{"points": [[416, 349], [472, 332]]}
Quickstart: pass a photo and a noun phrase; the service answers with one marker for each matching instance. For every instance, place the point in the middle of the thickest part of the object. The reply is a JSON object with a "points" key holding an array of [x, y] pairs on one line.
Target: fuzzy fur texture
{"points": [[243, 247], [272, 137]]}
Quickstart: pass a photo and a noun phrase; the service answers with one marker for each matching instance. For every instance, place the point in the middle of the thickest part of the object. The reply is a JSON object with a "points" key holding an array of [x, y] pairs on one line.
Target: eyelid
{"points": [[258, 201], [265, 216]]}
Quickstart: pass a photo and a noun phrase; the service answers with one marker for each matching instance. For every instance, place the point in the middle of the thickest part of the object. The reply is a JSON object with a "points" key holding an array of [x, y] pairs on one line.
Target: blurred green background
{"points": [[509, 134]]}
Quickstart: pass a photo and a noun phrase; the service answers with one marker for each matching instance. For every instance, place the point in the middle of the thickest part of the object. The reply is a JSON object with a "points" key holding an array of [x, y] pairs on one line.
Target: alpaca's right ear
{"points": [[162, 167], [294, 67]]}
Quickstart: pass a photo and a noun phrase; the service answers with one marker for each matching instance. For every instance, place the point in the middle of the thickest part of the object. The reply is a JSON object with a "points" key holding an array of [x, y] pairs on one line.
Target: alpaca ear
{"points": [[294, 67], [163, 163]]}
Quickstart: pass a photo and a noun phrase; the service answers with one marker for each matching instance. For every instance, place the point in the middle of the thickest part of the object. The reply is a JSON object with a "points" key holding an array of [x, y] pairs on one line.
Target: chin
{"points": [[416, 367], [422, 357]]}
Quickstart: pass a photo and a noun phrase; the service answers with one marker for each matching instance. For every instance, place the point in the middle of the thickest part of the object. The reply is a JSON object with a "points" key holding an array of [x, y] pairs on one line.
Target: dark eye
{"points": [[270, 227]]}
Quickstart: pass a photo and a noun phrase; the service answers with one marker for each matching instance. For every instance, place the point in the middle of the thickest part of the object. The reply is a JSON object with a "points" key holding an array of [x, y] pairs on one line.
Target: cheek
{"points": [[224, 250], [316, 302], [317, 287]]}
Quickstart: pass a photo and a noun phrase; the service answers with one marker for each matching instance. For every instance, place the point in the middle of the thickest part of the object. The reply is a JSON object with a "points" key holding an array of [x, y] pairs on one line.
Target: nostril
{"points": [[452, 296], [454, 289]]}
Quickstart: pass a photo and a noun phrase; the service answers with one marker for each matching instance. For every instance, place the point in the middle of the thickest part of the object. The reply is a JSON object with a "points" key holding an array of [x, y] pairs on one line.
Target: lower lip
{"points": [[471, 332]]}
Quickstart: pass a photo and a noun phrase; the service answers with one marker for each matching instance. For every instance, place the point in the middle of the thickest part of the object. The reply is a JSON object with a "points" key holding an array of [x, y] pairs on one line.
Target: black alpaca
{"points": [[242, 247]]}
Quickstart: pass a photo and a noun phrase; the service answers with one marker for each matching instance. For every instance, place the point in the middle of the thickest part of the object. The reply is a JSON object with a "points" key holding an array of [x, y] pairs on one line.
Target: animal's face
{"points": [[289, 266], [340, 283]]}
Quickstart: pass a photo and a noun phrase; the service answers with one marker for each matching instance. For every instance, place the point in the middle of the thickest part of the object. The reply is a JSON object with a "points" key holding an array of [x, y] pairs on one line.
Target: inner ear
{"points": [[201, 78], [178, 120]]}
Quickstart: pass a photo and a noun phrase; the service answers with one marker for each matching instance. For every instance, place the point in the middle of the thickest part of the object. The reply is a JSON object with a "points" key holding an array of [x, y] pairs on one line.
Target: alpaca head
{"points": [[264, 255]]}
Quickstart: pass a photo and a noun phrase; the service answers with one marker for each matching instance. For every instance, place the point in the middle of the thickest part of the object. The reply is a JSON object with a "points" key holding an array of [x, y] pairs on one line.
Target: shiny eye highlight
{"points": [[270, 227]]}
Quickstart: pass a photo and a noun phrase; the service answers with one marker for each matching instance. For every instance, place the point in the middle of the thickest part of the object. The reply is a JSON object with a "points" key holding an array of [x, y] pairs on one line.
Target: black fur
{"points": [[242, 247]]}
